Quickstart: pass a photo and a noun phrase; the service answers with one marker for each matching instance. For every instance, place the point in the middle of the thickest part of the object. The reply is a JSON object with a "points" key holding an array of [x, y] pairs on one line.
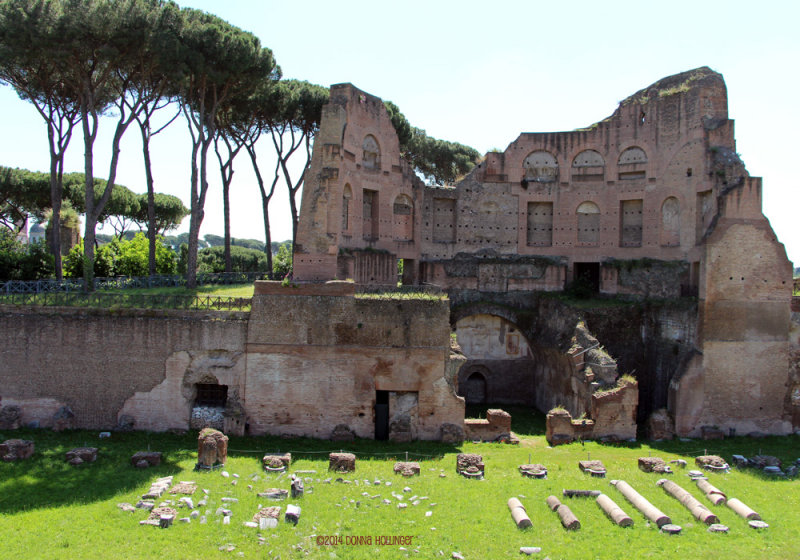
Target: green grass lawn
{"points": [[231, 290], [215, 297], [49, 509]]}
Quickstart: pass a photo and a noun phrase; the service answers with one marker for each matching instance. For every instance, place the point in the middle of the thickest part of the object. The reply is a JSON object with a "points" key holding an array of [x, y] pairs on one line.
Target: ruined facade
{"points": [[651, 203], [305, 361]]}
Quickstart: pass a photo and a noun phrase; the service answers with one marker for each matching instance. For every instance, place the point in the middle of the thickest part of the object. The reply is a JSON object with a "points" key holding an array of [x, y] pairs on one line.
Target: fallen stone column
{"points": [[581, 493], [639, 502], [568, 519], [714, 495], [518, 514], [614, 511], [742, 510], [698, 510]]}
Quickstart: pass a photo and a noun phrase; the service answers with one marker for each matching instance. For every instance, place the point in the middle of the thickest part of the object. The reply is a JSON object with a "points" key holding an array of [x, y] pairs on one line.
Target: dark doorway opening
{"points": [[475, 389], [587, 275], [209, 394], [407, 272], [382, 415]]}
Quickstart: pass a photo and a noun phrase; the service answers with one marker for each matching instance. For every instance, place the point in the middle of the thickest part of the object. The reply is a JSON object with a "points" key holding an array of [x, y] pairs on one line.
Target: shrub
{"points": [[282, 261], [103, 261], [21, 262], [127, 257], [212, 259]]}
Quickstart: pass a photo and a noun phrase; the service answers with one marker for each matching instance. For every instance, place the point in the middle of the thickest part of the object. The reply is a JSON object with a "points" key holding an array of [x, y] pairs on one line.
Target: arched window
{"points": [[632, 155], [671, 222], [403, 210], [588, 165], [632, 164], [588, 222], [347, 195], [371, 158], [540, 167]]}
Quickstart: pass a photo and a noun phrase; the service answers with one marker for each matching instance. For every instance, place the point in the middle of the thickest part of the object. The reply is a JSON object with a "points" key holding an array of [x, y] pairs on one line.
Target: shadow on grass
{"points": [[785, 448], [47, 480], [316, 449]]}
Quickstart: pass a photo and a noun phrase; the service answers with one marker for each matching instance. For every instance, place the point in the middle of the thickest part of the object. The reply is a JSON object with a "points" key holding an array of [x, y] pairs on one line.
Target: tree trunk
{"points": [[89, 134], [226, 210], [194, 224], [55, 202], [151, 200], [265, 200], [267, 234]]}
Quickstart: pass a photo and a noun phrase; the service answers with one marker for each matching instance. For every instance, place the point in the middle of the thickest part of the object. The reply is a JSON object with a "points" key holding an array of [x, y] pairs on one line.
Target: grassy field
{"points": [[49, 509], [231, 290]]}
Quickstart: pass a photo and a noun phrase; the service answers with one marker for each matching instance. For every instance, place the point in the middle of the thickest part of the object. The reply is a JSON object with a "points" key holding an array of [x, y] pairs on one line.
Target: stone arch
{"points": [[588, 165], [347, 197], [588, 222], [499, 360], [403, 218], [371, 158], [541, 167], [671, 222]]}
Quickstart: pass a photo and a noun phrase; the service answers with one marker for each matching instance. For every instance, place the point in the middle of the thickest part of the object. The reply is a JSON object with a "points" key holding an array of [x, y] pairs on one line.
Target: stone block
{"points": [[274, 494], [469, 462], [407, 469], [342, 462], [653, 464], [212, 448], [144, 459], [593, 467], [272, 512], [499, 419], [81, 455], [277, 461], [16, 449]]}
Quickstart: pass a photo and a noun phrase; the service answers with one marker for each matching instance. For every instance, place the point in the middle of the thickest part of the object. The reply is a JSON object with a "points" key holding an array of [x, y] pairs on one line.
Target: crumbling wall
{"points": [[319, 362], [792, 401], [358, 194], [99, 362], [612, 418], [745, 290], [495, 427]]}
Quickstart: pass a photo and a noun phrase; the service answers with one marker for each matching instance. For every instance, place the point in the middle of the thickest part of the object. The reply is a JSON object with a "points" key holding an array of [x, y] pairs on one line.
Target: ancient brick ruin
{"points": [[651, 205], [652, 202]]}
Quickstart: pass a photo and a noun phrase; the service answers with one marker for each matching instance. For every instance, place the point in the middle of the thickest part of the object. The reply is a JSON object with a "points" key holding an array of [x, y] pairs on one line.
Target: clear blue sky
{"points": [[480, 73]]}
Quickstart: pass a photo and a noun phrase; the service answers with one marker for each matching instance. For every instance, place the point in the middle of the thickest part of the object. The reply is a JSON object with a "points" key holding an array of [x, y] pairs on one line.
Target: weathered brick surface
{"points": [[95, 360]]}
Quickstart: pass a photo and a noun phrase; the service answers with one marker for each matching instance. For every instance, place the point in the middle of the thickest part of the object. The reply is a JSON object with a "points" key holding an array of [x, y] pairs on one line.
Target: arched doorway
{"points": [[499, 367], [475, 388]]}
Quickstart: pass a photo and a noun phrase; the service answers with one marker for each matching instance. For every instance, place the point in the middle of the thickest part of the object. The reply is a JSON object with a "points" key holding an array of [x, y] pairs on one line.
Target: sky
{"points": [[481, 73]]}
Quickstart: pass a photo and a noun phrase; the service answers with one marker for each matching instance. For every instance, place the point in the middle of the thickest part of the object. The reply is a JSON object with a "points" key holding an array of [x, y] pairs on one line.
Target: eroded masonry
{"points": [[651, 205]]}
